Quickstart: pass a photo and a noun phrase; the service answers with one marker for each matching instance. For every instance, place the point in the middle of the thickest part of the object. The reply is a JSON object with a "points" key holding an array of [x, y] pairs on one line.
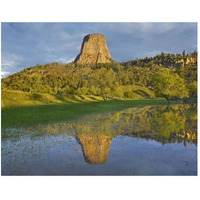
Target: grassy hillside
{"points": [[18, 98], [11, 98], [57, 83]]}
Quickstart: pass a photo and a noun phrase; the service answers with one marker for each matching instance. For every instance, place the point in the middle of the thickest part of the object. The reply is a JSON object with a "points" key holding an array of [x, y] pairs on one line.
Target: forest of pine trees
{"points": [[167, 75]]}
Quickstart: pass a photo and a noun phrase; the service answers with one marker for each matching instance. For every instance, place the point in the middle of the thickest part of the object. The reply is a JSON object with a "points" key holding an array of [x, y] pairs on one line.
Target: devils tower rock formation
{"points": [[94, 50]]}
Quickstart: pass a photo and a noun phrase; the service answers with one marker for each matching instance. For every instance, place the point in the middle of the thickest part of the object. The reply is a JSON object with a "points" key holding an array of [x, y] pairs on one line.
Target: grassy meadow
{"points": [[23, 109]]}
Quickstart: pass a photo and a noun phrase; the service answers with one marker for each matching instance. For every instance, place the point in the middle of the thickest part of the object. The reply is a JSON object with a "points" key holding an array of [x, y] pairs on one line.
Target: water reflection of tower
{"points": [[95, 148]]}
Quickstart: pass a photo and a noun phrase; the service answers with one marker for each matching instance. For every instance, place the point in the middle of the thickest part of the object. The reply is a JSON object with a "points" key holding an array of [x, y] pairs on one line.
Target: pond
{"points": [[150, 140]]}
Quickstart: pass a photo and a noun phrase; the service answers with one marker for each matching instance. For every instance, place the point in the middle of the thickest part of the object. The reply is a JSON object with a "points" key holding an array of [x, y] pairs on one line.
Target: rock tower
{"points": [[94, 50]]}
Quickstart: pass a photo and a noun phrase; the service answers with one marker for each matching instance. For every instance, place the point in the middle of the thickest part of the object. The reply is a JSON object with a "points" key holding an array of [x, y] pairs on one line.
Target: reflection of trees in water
{"points": [[175, 123]]}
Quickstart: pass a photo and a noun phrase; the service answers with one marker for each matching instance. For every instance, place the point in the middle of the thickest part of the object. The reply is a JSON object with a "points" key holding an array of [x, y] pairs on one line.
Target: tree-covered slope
{"points": [[131, 79]]}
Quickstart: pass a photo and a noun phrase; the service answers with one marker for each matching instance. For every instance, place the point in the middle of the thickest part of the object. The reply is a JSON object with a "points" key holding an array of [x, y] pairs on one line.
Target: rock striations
{"points": [[94, 50]]}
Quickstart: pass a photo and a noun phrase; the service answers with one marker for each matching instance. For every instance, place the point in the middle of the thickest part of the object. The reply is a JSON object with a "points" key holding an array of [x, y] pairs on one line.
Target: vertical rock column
{"points": [[94, 50]]}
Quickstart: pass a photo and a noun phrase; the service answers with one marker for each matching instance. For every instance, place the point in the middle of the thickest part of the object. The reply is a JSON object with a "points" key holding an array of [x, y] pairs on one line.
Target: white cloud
{"points": [[65, 36], [65, 59], [152, 53], [6, 63], [4, 73], [10, 63], [11, 60]]}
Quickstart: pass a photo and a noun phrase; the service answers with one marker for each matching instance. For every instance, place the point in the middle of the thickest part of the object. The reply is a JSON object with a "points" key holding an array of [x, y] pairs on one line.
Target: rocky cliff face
{"points": [[94, 50], [187, 61]]}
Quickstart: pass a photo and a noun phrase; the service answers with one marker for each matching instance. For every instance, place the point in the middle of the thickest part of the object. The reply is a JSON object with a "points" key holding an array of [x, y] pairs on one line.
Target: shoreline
{"points": [[31, 115]]}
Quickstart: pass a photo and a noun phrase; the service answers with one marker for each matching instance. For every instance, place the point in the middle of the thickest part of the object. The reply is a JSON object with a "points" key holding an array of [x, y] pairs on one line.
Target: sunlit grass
{"points": [[17, 98], [30, 115]]}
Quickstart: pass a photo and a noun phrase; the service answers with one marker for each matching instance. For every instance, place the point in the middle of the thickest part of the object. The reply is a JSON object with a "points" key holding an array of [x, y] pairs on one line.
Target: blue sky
{"points": [[27, 44]]}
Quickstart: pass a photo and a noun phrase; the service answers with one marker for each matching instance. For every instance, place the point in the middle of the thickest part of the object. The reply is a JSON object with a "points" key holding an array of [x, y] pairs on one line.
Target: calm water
{"points": [[151, 140]]}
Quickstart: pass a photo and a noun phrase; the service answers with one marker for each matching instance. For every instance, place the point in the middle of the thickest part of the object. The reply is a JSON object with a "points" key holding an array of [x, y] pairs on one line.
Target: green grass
{"points": [[18, 98], [11, 98], [139, 91], [17, 116]]}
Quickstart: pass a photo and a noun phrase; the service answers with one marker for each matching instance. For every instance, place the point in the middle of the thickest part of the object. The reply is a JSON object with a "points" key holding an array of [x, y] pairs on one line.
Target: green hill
{"points": [[127, 80]]}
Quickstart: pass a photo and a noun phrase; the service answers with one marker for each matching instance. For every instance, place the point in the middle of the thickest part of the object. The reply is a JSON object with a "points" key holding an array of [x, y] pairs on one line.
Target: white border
{"points": [[99, 187]]}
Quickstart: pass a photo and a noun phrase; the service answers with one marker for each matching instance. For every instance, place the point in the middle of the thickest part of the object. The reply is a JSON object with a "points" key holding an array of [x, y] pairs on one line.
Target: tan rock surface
{"points": [[94, 50]]}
